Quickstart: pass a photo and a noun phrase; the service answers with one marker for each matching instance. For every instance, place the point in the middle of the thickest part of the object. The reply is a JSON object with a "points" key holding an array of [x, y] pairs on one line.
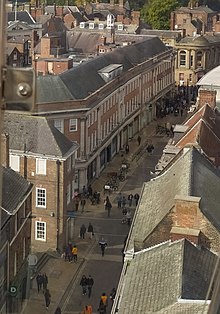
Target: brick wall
{"points": [[207, 97]]}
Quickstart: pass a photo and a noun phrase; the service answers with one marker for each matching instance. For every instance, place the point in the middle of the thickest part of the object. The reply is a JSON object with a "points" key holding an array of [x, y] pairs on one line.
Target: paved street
{"points": [[64, 277], [106, 270]]}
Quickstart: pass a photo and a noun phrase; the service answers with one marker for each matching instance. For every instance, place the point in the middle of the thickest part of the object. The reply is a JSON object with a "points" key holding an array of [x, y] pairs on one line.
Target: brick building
{"points": [[104, 102], [15, 238], [46, 158]]}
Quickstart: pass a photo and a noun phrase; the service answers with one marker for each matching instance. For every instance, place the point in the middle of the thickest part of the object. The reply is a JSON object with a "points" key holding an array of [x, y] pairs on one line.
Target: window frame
{"points": [[71, 125], [37, 203], [182, 54], [44, 232], [61, 127], [18, 160], [38, 160]]}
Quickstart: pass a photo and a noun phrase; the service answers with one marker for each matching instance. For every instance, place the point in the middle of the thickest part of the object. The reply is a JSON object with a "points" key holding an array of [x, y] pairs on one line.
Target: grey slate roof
{"points": [[51, 88], [190, 175], [39, 135], [84, 79], [14, 190], [22, 16], [158, 279]]}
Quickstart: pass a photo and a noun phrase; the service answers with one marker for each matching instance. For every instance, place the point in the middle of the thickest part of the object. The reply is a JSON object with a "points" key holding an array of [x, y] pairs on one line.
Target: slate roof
{"points": [[84, 79], [194, 10], [14, 190], [22, 16], [51, 89], [39, 135], [158, 279], [190, 175]]}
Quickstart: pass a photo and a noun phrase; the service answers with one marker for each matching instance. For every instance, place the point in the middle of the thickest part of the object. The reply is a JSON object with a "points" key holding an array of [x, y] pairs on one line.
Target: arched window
{"points": [[199, 58], [182, 58]]}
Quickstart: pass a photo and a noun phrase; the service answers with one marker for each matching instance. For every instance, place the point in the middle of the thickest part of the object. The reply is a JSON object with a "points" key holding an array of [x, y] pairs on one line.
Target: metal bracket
{"points": [[19, 88]]}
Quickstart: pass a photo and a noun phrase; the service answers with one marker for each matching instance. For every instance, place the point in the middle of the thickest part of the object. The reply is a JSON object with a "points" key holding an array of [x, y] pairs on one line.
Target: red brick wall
{"points": [[187, 213], [207, 96], [191, 238]]}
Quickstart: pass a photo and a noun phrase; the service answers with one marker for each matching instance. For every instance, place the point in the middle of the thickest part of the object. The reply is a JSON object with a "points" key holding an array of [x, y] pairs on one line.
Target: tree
{"points": [[157, 13]]}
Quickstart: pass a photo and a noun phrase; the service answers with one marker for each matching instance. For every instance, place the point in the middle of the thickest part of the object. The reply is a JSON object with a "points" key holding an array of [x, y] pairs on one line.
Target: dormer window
{"points": [[101, 26], [120, 27], [91, 25], [82, 25]]}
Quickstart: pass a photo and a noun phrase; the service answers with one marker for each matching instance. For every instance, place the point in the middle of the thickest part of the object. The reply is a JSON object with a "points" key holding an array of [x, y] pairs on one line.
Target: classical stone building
{"points": [[104, 102]]}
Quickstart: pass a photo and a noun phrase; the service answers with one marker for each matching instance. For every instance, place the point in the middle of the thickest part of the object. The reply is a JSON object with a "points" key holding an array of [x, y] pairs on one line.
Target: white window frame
{"points": [[15, 159], [41, 166], [59, 125], [73, 126], [37, 198], [44, 232]]}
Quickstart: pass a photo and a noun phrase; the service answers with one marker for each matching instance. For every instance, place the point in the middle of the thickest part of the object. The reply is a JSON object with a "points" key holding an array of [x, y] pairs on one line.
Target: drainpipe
{"points": [[58, 203]]}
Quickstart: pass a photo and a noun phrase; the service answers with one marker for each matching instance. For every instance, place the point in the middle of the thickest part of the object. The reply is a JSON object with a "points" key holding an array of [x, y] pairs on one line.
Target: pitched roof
{"points": [[164, 276], [189, 175], [22, 16], [15, 189], [36, 135], [84, 79]]}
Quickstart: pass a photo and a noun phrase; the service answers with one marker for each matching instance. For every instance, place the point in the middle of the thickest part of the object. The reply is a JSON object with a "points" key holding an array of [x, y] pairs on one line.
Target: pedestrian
{"points": [[112, 295], [83, 203], [102, 308], [74, 253], [104, 300], [127, 149], [58, 310], [90, 283], [89, 190], [68, 252], [103, 245], [82, 231], [47, 297], [123, 203], [39, 280], [90, 231], [84, 191], [136, 198], [130, 198], [119, 199], [108, 205], [87, 310], [45, 281], [83, 284], [139, 140], [76, 201], [128, 217]]}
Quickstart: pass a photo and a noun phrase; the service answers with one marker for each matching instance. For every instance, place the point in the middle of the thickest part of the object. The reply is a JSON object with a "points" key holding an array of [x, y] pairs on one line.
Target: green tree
{"points": [[157, 13]]}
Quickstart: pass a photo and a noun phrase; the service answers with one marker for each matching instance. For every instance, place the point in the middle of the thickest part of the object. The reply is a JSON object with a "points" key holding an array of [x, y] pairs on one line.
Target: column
{"points": [[82, 138]]}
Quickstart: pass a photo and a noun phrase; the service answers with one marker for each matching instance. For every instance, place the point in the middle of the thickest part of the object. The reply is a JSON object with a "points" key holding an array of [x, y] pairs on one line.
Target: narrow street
{"points": [[106, 270]]}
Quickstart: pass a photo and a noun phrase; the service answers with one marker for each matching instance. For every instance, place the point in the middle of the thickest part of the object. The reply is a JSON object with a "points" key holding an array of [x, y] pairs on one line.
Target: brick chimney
{"points": [[187, 219], [207, 96], [5, 150], [45, 47]]}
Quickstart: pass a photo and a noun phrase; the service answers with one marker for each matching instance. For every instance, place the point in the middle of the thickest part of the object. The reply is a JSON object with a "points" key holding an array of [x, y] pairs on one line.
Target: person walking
{"points": [[90, 231], [83, 284], [119, 199], [45, 281], [108, 205], [39, 280], [103, 245], [75, 253], [123, 203], [139, 140], [90, 283], [127, 149], [102, 308], [83, 204], [47, 297], [128, 217], [112, 295], [82, 231], [76, 201], [136, 198], [87, 310], [104, 300], [130, 198], [68, 252]]}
